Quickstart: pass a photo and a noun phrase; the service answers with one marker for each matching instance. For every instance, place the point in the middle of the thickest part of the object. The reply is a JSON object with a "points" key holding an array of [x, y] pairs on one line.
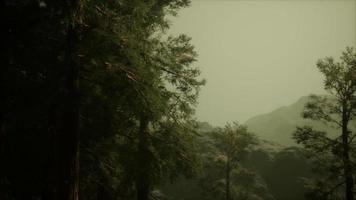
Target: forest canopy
{"points": [[97, 102]]}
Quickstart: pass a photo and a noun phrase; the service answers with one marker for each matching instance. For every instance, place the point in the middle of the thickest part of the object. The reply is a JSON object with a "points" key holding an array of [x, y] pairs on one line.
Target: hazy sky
{"points": [[260, 55]]}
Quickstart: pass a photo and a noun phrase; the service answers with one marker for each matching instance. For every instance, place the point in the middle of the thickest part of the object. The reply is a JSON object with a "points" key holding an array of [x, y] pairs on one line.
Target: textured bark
{"points": [[63, 173], [70, 145]]}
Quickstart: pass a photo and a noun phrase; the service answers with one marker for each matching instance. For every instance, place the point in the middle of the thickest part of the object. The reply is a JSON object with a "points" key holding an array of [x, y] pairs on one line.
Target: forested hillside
{"points": [[267, 173], [98, 102], [279, 125]]}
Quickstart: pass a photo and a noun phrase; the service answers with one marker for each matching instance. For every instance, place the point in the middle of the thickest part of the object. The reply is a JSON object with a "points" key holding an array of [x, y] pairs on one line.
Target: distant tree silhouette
{"points": [[335, 155]]}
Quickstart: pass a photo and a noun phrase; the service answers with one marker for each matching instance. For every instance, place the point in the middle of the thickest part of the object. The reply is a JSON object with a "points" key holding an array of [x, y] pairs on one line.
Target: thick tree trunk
{"points": [[143, 182], [63, 172], [228, 169], [70, 146], [347, 167]]}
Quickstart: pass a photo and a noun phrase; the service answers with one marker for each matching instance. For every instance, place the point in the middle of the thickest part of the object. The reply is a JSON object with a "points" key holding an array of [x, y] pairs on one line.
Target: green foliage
{"points": [[333, 156], [138, 90], [278, 126], [233, 141], [283, 171], [340, 76], [145, 76], [127, 70], [227, 149], [265, 170]]}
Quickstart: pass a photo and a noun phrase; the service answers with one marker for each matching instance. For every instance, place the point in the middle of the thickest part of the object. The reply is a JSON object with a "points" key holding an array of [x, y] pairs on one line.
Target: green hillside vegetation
{"points": [[98, 103], [278, 126], [267, 168]]}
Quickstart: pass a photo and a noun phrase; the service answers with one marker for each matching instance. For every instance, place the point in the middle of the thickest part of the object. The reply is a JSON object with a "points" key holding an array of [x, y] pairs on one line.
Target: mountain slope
{"points": [[279, 125]]}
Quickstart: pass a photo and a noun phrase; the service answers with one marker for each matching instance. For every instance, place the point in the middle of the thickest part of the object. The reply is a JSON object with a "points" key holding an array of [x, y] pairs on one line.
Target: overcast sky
{"points": [[260, 55]]}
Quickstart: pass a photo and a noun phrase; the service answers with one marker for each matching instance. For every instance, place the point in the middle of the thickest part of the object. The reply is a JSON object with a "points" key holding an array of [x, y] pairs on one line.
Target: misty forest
{"points": [[178, 100]]}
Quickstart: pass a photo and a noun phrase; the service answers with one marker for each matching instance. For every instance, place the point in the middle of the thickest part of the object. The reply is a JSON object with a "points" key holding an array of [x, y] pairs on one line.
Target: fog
{"points": [[260, 55]]}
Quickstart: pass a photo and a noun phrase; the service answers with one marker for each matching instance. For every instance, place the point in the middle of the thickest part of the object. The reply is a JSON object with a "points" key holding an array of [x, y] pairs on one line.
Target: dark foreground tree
{"points": [[99, 68], [334, 154], [37, 72]]}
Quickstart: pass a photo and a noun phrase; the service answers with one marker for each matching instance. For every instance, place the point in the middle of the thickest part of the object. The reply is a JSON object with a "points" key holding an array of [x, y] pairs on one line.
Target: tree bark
{"points": [[347, 167], [63, 173], [143, 182]]}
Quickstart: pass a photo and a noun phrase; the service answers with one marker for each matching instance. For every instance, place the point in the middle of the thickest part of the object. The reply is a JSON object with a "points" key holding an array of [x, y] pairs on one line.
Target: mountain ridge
{"points": [[278, 125]]}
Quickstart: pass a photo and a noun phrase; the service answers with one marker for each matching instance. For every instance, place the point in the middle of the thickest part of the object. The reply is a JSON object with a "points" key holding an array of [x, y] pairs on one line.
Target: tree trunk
{"points": [[347, 167], [143, 182], [63, 173], [228, 169]]}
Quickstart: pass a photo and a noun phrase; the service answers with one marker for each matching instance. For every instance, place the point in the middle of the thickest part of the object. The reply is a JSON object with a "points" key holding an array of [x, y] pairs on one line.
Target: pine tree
{"points": [[223, 169], [104, 71]]}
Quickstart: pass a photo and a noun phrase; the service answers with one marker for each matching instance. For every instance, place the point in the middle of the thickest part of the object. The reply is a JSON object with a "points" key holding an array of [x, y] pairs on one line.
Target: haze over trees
{"points": [[224, 175], [333, 154], [97, 102]]}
